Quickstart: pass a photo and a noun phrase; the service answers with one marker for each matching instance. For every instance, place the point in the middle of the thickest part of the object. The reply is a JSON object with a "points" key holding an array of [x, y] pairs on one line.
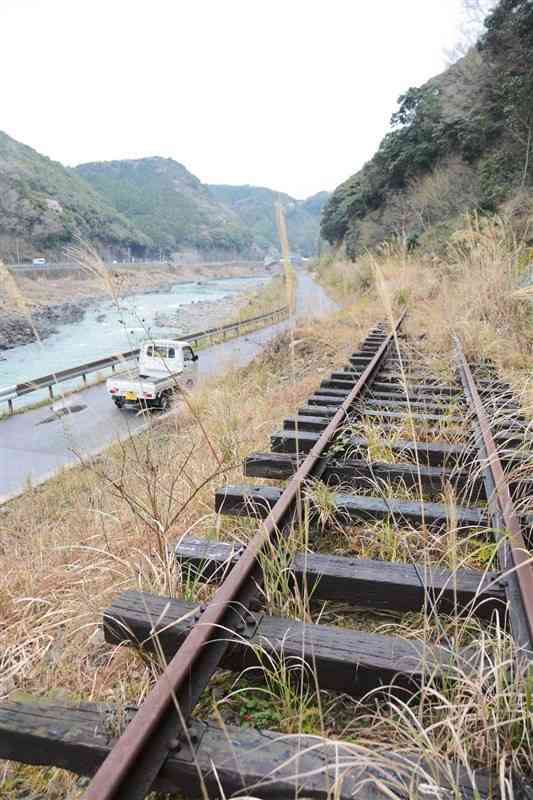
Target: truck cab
{"points": [[163, 357], [165, 366]]}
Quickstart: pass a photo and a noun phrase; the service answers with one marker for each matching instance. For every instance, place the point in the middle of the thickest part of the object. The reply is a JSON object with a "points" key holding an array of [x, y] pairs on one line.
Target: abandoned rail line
{"points": [[465, 437]]}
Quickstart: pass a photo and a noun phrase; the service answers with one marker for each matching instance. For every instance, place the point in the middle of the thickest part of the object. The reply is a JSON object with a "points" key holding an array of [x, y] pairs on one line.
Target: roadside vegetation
{"points": [[479, 289], [70, 546], [98, 534], [269, 297]]}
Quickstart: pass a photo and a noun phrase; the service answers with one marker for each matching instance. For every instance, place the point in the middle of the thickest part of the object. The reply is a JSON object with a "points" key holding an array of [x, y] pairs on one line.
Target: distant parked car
{"points": [[39, 262]]}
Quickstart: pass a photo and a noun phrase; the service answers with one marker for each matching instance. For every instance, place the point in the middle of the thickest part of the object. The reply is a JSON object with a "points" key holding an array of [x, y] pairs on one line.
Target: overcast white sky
{"points": [[290, 94]]}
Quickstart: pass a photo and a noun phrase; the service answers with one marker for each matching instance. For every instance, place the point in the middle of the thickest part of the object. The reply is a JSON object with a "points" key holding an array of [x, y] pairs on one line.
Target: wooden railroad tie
{"points": [[358, 473], [361, 582], [80, 735], [349, 509], [341, 659], [435, 454]]}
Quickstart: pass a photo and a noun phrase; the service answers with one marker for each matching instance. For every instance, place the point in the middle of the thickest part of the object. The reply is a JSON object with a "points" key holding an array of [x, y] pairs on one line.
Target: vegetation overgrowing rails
{"points": [[438, 223], [74, 543]]}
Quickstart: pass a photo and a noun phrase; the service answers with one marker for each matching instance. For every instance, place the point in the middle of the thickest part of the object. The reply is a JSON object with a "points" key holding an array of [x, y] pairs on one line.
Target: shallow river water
{"points": [[108, 329]]}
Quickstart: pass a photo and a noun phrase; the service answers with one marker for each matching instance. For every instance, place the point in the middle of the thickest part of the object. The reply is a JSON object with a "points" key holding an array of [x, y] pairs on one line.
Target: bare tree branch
{"points": [[474, 13]]}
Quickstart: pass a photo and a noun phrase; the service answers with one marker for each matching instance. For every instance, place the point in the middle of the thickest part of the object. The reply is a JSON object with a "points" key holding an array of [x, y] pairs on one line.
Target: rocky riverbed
{"points": [[32, 309], [197, 316], [18, 328], [28, 325]]}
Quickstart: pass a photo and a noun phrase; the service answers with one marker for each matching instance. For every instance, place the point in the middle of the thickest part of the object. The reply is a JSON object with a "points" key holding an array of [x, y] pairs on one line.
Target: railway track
{"points": [[379, 441]]}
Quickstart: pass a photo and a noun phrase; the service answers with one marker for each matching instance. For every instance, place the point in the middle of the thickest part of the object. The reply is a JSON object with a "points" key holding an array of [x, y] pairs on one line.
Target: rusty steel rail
{"points": [[513, 555], [132, 766]]}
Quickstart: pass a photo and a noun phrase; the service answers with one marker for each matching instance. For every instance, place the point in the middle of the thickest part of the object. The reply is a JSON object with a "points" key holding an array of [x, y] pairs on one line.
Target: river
{"points": [[107, 329], [31, 450]]}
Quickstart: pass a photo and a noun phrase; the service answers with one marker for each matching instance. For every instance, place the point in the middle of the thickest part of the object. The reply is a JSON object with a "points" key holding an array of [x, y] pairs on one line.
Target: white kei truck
{"points": [[165, 365]]}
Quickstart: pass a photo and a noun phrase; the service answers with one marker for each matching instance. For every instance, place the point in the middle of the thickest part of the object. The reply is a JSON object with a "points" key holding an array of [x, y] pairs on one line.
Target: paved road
{"points": [[52, 268], [34, 445]]}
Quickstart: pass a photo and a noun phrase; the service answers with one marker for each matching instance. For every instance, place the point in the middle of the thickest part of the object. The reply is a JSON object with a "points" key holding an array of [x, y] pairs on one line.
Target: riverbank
{"points": [[32, 308], [30, 451]]}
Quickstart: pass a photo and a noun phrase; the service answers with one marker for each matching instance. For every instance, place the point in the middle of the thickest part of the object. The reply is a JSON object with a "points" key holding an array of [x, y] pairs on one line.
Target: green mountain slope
{"points": [[144, 207], [255, 207], [462, 142], [169, 204], [44, 206]]}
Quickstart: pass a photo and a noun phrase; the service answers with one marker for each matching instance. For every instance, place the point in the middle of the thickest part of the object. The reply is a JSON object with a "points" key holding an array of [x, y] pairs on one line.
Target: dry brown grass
{"points": [[474, 292], [69, 546], [72, 545]]}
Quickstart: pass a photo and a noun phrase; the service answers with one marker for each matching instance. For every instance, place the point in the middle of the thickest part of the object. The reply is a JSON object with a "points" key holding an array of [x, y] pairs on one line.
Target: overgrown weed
{"points": [[85, 543]]}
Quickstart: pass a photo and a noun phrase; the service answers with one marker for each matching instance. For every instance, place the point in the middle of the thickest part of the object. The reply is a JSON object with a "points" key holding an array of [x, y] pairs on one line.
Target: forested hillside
{"points": [[147, 207], [255, 207], [44, 206], [461, 142], [169, 204]]}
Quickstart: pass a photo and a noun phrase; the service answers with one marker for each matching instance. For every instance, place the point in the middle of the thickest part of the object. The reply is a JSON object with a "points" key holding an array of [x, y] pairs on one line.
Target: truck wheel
{"points": [[119, 402], [164, 402]]}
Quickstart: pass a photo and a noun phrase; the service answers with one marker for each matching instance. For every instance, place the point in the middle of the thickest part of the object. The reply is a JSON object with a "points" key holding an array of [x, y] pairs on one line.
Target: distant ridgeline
{"points": [[462, 142], [168, 204], [145, 208], [255, 208]]}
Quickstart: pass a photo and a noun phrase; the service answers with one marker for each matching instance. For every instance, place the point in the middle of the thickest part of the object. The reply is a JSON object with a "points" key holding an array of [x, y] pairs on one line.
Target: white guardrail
{"points": [[10, 393]]}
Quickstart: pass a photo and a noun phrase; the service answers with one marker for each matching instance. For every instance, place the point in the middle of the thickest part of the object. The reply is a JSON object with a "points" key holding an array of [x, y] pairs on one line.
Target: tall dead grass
{"points": [[71, 545], [68, 547], [473, 292]]}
